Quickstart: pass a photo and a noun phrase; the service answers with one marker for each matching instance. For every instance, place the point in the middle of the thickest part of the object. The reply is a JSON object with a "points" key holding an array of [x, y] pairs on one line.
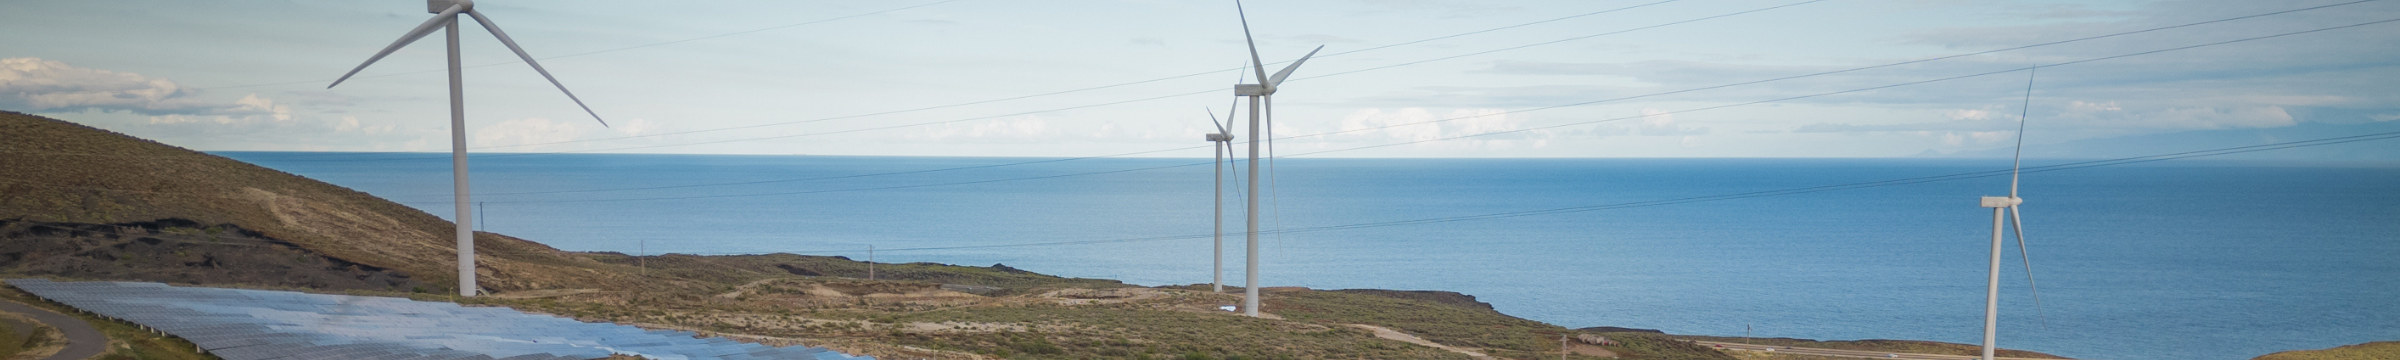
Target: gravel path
{"points": [[83, 341]]}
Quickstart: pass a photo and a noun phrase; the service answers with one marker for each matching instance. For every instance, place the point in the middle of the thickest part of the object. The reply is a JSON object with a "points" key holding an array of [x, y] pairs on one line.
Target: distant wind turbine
{"points": [[1264, 91], [1223, 147], [446, 17], [2005, 208]]}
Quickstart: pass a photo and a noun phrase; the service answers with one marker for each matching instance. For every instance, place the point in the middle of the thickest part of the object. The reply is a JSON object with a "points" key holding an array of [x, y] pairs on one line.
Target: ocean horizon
{"points": [[2183, 259]]}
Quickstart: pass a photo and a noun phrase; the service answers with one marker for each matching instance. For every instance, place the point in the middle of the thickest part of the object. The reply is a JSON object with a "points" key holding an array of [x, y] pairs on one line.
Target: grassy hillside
{"points": [[79, 203], [91, 187]]}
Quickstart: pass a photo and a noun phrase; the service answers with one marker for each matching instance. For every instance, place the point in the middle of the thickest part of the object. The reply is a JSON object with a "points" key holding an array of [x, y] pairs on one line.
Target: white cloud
{"points": [[264, 105], [2095, 117], [1407, 124], [36, 85], [1422, 127], [1017, 129], [1987, 137], [351, 124], [2087, 107], [526, 131], [638, 127], [1657, 122], [1969, 114], [2112, 116]]}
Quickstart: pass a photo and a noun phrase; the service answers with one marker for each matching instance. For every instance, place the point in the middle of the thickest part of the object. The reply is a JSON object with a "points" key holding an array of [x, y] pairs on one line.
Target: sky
{"points": [[1395, 78]]}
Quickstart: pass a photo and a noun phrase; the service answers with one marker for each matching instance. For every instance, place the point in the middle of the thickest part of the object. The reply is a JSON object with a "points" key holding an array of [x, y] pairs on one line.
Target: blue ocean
{"points": [[2184, 259]]}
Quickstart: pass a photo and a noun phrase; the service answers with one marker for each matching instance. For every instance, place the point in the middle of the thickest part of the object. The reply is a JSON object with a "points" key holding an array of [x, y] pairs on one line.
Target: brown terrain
{"points": [[102, 205], [79, 203]]}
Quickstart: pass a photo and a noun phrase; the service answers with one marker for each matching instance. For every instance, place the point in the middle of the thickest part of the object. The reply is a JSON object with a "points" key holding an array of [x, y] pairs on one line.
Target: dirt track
{"points": [[1389, 334], [83, 341]]}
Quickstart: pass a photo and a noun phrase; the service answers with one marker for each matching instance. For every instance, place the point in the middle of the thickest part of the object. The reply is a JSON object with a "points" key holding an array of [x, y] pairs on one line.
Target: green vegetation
{"points": [[1900, 346], [133, 343], [1634, 345], [127, 341], [1065, 318], [108, 189], [1501, 335], [179, 216], [740, 269], [2380, 350], [14, 342]]}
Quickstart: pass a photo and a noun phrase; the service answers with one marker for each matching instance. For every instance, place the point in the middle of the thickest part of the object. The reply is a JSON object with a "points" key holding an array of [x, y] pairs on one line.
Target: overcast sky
{"points": [[998, 77]]}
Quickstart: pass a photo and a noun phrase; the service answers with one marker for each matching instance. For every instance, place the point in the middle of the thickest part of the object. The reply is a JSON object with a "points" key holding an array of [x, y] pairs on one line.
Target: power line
{"points": [[1498, 132], [1097, 88], [1415, 63], [1481, 134], [1235, 69], [1823, 73], [1649, 203], [1723, 197], [1809, 95], [610, 50], [1571, 39]]}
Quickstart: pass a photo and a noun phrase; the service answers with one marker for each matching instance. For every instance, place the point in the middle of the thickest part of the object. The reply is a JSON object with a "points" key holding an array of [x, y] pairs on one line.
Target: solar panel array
{"points": [[239, 324]]}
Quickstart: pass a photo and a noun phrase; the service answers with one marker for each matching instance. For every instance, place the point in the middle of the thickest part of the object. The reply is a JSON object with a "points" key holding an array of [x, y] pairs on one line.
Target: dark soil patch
{"points": [[180, 251]]}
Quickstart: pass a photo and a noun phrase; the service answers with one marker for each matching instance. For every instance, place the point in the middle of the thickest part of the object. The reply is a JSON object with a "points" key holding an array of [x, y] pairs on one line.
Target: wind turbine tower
{"points": [[2004, 212], [446, 17], [1263, 91], [1222, 145]]}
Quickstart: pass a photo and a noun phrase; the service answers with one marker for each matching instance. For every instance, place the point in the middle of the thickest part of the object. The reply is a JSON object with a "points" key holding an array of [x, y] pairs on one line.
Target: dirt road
{"points": [[83, 341], [1389, 334]]}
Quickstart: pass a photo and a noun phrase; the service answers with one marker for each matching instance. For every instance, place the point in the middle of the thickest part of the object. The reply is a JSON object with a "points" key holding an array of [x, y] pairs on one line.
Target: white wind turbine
{"points": [[1264, 91], [1223, 146], [446, 17], [2005, 208]]}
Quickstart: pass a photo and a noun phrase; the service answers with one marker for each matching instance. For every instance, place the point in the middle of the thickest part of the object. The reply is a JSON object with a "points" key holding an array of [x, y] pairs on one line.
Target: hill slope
{"points": [[84, 203], [105, 205]]}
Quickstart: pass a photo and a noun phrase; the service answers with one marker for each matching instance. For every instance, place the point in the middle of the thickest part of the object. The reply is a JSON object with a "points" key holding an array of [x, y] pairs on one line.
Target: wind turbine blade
{"points": [[1287, 70], [1212, 119], [1232, 109], [537, 67], [2015, 219], [412, 36], [2022, 110], [1255, 65]]}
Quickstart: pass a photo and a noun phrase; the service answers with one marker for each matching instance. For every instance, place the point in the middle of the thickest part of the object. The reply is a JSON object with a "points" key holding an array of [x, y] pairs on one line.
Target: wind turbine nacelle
{"points": [[1251, 90], [1220, 137], [436, 6], [2001, 201]]}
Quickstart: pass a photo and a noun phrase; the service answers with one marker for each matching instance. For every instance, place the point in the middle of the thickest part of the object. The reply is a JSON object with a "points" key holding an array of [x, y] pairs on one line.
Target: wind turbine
{"points": [[1263, 91], [2005, 208], [446, 17], [1223, 144]]}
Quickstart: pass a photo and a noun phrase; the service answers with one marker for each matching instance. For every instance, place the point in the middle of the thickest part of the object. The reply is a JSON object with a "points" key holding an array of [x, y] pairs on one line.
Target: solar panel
{"points": [[241, 324]]}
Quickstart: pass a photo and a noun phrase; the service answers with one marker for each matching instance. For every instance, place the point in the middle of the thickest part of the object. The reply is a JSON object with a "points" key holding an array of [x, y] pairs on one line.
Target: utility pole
{"points": [[1562, 346], [479, 218], [870, 262], [641, 251]]}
